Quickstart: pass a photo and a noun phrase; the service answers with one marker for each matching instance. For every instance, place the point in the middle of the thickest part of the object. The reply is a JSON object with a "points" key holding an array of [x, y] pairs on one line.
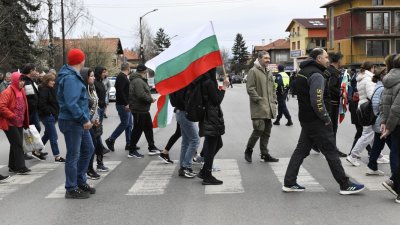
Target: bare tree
{"points": [[150, 48]]}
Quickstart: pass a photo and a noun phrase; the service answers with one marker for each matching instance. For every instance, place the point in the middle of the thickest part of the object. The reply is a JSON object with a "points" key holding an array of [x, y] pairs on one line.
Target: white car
{"points": [[112, 93]]}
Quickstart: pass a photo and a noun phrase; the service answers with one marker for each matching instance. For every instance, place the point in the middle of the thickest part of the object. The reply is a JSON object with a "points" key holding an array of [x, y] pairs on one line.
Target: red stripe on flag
{"points": [[194, 70], [160, 104]]}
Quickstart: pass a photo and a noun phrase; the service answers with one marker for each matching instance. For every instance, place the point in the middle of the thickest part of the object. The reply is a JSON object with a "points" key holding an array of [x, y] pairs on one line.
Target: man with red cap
{"points": [[74, 123]]}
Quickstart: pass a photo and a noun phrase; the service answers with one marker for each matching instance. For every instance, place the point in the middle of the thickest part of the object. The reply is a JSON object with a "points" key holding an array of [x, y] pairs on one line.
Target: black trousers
{"points": [[16, 159], [142, 123], [211, 146], [282, 108], [396, 175], [98, 151], [316, 133], [172, 140], [334, 115]]}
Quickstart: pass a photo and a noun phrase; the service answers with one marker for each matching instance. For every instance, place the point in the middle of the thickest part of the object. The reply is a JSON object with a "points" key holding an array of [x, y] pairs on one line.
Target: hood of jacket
{"points": [[312, 62], [392, 78], [366, 74], [15, 78], [137, 76]]}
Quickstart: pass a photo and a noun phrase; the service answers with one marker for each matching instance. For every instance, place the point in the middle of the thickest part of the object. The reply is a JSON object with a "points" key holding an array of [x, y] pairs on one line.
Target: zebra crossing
{"points": [[155, 179]]}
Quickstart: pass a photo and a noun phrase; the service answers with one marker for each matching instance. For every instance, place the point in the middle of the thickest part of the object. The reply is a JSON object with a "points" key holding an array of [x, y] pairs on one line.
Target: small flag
{"points": [[164, 113]]}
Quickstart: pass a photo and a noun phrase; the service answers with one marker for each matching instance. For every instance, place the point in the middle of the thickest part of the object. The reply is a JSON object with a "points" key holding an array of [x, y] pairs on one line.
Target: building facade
{"points": [[279, 51]]}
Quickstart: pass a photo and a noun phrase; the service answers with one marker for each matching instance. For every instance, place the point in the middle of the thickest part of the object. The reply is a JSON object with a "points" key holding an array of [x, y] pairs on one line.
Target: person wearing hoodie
{"points": [[14, 116], [365, 88], [140, 100], [74, 123], [390, 119], [261, 89], [6, 82], [316, 125]]}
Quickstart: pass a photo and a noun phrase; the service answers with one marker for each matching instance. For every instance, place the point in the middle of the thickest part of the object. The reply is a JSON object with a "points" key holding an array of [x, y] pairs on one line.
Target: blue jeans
{"points": [[50, 133], [34, 119], [393, 144], [190, 139], [125, 124], [79, 150]]}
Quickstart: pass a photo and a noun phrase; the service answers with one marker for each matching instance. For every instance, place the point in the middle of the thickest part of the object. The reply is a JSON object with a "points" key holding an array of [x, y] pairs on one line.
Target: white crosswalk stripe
{"points": [[154, 179], [304, 178], [59, 192], [231, 177], [17, 181]]}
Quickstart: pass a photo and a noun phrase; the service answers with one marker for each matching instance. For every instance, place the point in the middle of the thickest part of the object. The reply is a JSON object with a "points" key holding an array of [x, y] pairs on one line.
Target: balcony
{"points": [[359, 59]]}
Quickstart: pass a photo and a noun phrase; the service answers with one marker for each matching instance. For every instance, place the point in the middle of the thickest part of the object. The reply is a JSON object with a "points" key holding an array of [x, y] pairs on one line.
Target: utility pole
{"points": [[63, 31], [141, 54]]}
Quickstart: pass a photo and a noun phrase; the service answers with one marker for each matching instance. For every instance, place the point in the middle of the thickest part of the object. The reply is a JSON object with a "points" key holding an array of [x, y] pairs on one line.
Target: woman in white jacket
{"points": [[365, 87]]}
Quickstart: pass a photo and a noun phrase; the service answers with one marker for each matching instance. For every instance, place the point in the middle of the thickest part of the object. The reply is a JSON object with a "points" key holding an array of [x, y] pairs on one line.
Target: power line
{"points": [[166, 5]]}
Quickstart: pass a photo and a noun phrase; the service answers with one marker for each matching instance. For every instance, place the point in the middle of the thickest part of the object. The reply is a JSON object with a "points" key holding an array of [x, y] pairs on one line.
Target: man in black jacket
{"points": [[316, 125], [124, 113]]}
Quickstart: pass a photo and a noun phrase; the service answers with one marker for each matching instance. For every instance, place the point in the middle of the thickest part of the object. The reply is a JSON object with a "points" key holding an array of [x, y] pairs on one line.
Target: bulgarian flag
{"points": [[344, 86], [180, 64]]}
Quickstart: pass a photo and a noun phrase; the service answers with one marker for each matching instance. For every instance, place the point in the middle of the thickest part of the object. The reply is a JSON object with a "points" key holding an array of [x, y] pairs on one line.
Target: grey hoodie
{"points": [[390, 105]]}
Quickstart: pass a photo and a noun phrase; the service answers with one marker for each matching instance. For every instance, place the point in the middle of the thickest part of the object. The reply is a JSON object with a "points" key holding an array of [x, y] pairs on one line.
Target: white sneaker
{"points": [[352, 160], [374, 172], [383, 160]]}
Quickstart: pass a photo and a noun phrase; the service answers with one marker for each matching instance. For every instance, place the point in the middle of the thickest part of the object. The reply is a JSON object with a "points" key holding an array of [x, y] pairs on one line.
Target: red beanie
{"points": [[75, 56]]}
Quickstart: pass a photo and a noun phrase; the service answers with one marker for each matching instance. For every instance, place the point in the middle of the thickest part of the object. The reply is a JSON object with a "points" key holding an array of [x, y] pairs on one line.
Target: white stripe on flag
{"points": [[231, 177]]}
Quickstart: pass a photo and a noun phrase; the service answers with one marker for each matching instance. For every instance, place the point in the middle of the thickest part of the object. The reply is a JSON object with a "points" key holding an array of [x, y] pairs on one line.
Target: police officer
{"points": [[282, 88]]}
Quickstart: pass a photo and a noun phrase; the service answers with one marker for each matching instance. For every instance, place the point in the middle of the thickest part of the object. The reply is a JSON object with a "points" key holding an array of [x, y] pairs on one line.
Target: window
{"points": [[397, 45], [298, 44], [397, 22], [338, 47], [377, 21], [338, 22], [298, 31], [320, 43], [281, 57], [378, 48], [293, 45], [377, 2]]}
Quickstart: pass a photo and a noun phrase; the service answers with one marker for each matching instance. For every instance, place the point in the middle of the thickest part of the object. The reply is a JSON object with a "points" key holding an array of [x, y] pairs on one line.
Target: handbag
{"points": [[31, 139]]}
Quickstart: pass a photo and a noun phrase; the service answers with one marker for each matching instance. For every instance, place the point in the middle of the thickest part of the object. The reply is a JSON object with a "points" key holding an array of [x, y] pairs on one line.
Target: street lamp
{"points": [[141, 36]]}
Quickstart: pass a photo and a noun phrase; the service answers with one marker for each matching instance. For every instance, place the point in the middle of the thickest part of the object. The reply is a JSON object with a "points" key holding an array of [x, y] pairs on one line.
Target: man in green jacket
{"points": [[140, 100], [261, 89]]}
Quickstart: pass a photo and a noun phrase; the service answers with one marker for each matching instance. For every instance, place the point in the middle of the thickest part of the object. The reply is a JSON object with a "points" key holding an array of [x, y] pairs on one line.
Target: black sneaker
{"points": [[4, 179], [353, 188], [192, 172], [87, 188], [23, 171], [201, 174], [105, 150], [268, 158], [38, 156], [102, 168], [110, 144], [389, 185], [184, 172], [93, 175], [27, 157], [289, 123], [276, 122], [165, 158], [153, 150], [212, 181], [105, 116], [59, 160], [135, 154], [341, 154], [76, 194], [293, 188], [247, 155]]}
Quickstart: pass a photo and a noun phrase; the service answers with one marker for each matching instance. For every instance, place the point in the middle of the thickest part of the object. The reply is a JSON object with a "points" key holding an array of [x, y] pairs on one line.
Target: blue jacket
{"points": [[72, 96], [376, 101]]}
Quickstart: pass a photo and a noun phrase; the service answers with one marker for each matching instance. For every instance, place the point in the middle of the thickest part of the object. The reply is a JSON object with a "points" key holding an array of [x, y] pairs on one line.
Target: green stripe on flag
{"points": [[181, 62], [163, 114]]}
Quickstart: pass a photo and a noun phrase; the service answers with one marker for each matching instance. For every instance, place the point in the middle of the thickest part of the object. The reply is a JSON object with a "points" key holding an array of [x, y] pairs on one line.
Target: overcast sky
{"points": [[254, 19]]}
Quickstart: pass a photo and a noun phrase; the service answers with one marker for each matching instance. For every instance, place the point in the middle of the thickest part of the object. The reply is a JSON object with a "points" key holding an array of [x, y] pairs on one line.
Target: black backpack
{"points": [[365, 113], [195, 104]]}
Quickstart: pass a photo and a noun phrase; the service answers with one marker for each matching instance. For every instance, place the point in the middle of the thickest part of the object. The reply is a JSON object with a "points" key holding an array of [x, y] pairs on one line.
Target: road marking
{"points": [[372, 183], [304, 178], [231, 177], [17, 181], [2, 166], [59, 192], [154, 179]]}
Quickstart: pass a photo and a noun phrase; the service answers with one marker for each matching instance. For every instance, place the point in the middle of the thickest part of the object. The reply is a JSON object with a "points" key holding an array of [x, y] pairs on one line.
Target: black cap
{"points": [[281, 68], [141, 68]]}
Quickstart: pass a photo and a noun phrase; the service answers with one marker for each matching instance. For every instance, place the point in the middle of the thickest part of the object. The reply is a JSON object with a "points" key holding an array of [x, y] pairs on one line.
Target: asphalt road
{"points": [[145, 191]]}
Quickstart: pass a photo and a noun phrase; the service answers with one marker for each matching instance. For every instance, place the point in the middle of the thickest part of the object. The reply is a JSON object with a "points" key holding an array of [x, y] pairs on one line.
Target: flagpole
{"points": [[223, 64]]}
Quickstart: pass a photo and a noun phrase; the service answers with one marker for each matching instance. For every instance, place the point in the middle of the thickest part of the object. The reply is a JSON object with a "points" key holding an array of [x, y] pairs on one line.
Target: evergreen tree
{"points": [[16, 22], [240, 54], [161, 40]]}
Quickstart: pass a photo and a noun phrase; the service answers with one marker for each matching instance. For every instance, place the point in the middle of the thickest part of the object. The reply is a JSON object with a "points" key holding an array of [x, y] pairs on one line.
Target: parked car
{"points": [[112, 94]]}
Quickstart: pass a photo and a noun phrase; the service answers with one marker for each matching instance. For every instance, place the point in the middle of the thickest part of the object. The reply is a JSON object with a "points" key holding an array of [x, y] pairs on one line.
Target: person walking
{"points": [[261, 90], [14, 116], [74, 123], [140, 100], [282, 88], [107, 85], [316, 126], [6, 82], [122, 105], [48, 113], [164, 155]]}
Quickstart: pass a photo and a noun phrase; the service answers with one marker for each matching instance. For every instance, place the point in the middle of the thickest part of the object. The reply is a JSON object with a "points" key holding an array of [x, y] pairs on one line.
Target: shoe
{"points": [[135, 154], [389, 185], [76, 194], [383, 160], [352, 160], [87, 188], [184, 172], [374, 172], [276, 122], [268, 158], [27, 156], [341, 154], [153, 150], [353, 188], [201, 174], [198, 159], [102, 168], [192, 172], [211, 180], [3, 179], [289, 123], [110, 144], [106, 150], [59, 160], [23, 171], [93, 175], [38, 156], [44, 153], [105, 116], [247, 154], [165, 158], [293, 188]]}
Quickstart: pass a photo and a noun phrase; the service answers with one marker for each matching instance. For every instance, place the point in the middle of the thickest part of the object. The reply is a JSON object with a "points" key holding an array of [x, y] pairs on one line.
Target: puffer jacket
{"points": [[139, 94], [365, 86], [390, 105], [261, 89], [376, 101]]}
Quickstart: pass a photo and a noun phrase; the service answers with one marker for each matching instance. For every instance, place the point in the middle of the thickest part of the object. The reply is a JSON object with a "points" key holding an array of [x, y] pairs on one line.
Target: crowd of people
{"points": [[77, 97]]}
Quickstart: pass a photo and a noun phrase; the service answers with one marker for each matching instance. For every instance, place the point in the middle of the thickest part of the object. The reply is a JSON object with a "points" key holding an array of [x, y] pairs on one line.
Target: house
{"points": [[305, 35], [279, 51], [363, 30], [132, 58]]}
